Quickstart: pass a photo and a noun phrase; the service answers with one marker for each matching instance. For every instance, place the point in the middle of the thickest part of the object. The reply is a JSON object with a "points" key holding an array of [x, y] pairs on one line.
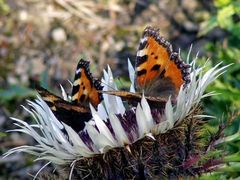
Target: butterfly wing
{"points": [[73, 115], [85, 88], [157, 65]]}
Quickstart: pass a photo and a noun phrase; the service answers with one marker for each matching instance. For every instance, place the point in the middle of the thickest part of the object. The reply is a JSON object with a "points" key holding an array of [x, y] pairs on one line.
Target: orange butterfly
{"points": [[85, 89], [159, 72]]}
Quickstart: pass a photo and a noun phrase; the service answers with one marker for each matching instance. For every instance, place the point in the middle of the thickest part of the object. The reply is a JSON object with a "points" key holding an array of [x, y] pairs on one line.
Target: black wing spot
{"points": [[77, 75], [75, 89], [142, 45], [82, 98], [156, 57], [152, 53], [142, 72], [141, 59], [156, 67]]}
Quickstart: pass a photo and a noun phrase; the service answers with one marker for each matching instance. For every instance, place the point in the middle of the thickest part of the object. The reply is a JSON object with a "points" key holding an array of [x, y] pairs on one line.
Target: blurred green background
{"points": [[42, 41]]}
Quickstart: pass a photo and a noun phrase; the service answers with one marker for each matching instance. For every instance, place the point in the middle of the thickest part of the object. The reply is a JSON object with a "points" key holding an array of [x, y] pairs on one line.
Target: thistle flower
{"points": [[122, 142]]}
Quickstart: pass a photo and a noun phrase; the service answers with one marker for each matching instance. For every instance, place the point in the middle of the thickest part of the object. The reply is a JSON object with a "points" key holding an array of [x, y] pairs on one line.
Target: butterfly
{"points": [[85, 90], [159, 72]]}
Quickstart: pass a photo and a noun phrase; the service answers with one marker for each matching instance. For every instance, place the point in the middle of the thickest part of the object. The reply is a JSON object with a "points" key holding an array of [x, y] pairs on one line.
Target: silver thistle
{"points": [[107, 130]]}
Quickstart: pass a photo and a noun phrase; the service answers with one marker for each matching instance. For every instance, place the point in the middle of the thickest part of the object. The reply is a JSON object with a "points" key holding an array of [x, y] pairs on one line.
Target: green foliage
{"points": [[227, 19], [44, 78], [13, 93], [2, 134], [4, 8], [228, 154]]}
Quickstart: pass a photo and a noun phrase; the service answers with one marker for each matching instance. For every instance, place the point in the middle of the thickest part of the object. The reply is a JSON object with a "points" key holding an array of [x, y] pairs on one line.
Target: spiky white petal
{"points": [[144, 118], [169, 113], [189, 98], [119, 131], [64, 94], [113, 104], [102, 111], [53, 145], [147, 112], [101, 142], [142, 124], [103, 129], [78, 146], [131, 75], [167, 120]]}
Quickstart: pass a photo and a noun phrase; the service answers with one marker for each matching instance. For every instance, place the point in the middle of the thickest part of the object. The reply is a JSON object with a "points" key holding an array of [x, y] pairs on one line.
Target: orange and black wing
{"points": [[85, 88], [156, 61], [73, 115]]}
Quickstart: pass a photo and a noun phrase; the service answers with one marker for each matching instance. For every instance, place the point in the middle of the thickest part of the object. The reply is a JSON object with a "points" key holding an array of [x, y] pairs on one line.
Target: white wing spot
{"points": [[78, 71], [141, 53], [143, 40], [85, 92], [78, 81]]}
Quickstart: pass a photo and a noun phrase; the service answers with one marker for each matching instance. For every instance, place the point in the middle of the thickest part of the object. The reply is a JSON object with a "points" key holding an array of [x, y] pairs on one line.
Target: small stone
{"points": [[59, 35], [23, 15]]}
